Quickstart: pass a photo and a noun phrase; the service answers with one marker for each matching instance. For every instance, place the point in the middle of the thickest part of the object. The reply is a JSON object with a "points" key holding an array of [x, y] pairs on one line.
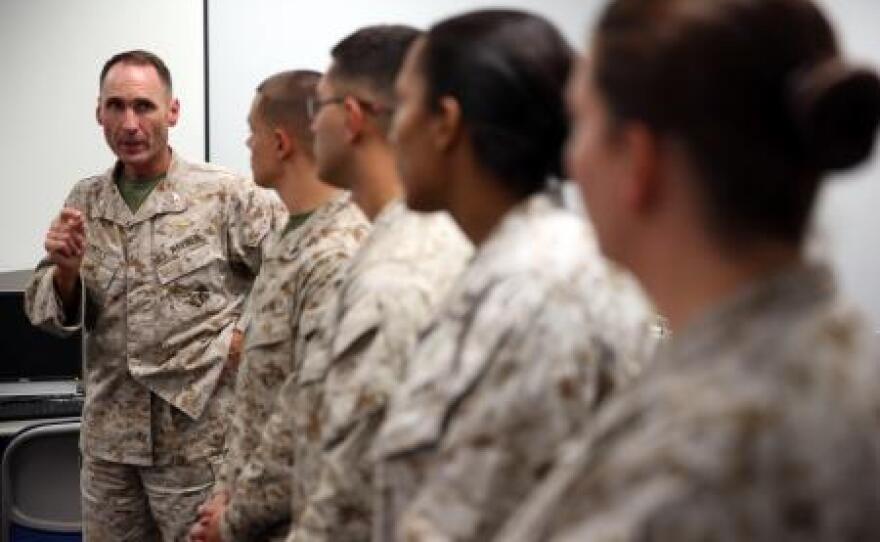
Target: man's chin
{"points": [[135, 159], [263, 183], [132, 156], [421, 205], [331, 177]]}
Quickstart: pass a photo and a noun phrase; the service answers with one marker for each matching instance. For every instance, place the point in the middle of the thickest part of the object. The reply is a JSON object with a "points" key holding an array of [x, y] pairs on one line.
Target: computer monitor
{"points": [[28, 353]]}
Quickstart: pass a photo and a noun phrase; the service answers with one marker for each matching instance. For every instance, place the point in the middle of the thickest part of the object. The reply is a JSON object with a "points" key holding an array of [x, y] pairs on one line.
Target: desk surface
{"points": [[14, 280]]}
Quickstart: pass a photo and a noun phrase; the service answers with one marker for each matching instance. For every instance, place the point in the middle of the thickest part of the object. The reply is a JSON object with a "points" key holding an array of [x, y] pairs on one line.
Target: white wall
{"points": [[249, 41], [51, 53], [849, 213]]}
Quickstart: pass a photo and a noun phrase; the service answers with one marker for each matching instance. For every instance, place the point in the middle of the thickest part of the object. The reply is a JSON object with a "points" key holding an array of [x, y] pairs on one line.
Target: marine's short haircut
{"points": [[283, 102], [138, 57], [372, 56]]}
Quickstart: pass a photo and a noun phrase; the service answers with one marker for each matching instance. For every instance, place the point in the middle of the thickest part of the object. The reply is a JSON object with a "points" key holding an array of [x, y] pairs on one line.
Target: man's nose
{"points": [[129, 120]]}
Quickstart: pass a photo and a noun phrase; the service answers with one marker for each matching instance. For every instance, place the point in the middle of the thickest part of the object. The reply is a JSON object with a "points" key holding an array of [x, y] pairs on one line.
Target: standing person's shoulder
{"points": [[202, 180], [90, 190], [207, 176], [436, 231]]}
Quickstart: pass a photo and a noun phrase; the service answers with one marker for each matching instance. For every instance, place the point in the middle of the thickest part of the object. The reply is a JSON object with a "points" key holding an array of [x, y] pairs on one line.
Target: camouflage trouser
{"points": [[127, 502]]}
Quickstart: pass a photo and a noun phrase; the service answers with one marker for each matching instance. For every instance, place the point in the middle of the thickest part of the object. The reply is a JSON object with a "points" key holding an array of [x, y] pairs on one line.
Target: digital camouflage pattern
{"points": [[758, 422], [537, 334], [299, 276], [163, 290], [393, 288], [125, 502]]}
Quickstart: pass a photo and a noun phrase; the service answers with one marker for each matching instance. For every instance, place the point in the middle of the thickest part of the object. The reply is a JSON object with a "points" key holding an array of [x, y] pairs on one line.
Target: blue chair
{"points": [[40, 485]]}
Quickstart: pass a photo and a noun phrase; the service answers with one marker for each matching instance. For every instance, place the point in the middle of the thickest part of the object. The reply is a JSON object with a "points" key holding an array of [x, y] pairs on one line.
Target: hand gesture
{"points": [[65, 246]]}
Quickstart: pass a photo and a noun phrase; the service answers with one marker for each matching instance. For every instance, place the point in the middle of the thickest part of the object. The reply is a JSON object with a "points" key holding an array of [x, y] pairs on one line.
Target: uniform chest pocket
{"points": [[186, 263], [269, 327]]}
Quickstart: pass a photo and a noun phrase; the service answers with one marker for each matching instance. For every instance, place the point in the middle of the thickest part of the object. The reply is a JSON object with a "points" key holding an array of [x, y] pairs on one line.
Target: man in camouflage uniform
{"points": [[392, 288], [301, 272], [539, 331], [160, 252], [388, 292], [758, 422]]}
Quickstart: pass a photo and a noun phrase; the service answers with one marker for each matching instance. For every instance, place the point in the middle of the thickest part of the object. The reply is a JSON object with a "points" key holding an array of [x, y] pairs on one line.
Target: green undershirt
{"points": [[135, 191], [295, 221]]}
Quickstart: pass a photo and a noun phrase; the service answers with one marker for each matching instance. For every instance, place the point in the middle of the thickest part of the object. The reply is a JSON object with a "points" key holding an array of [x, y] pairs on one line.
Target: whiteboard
{"points": [[250, 40], [51, 54]]}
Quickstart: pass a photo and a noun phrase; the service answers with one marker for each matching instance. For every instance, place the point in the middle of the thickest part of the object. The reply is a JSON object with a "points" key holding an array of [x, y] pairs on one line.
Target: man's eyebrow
{"points": [[134, 101]]}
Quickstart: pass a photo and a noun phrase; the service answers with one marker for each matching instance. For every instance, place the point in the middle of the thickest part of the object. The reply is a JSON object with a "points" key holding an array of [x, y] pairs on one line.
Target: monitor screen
{"points": [[29, 353]]}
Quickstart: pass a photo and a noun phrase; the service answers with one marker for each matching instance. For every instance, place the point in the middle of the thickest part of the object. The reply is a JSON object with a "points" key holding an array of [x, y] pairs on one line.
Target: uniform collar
{"points": [[165, 198], [288, 246], [785, 294]]}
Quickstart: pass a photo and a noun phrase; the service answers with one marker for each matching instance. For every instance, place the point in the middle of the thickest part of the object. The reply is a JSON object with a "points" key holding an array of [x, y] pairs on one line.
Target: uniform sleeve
{"points": [[545, 374], [225, 473], [254, 213], [615, 485], [376, 338], [261, 496], [613, 471], [234, 453], [42, 304], [689, 464], [530, 520]]}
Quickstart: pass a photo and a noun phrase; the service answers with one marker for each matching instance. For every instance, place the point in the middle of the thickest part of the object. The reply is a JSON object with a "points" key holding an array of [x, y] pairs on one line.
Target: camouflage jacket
{"points": [[163, 290], [535, 336], [758, 422], [393, 287], [299, 276]]}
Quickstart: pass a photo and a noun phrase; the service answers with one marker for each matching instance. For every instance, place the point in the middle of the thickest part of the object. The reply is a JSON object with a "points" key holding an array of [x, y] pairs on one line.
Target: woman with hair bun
{"points": [[702, 133], [538, 331]]}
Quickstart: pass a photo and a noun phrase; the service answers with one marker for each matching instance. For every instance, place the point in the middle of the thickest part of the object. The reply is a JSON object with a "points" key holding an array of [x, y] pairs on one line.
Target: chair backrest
{"points": [[40, 481]]}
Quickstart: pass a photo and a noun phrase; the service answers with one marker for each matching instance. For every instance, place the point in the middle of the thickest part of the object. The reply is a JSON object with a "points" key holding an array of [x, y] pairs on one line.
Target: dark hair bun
{"points": [[837, 112], [507, 69]]}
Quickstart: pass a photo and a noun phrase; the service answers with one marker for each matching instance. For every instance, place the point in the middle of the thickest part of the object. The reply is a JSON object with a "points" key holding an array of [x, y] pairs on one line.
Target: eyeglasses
{"points": [[315, 104]]}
